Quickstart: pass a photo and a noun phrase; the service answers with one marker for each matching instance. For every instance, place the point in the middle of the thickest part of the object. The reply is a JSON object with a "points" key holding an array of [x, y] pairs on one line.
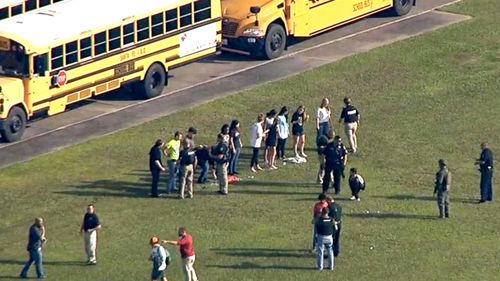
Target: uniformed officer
{"points": [[335, 212], [325, 227], [350, 115], [335, 161], [220, 153], [485, 163], [442, 188]]}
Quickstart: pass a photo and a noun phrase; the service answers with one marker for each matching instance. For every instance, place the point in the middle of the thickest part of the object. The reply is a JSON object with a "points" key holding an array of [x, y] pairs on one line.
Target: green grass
{"points": [[430, 97]]}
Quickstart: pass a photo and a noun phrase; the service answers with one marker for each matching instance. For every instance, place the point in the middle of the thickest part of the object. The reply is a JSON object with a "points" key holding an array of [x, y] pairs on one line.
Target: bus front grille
{"points": [[229, 28]]}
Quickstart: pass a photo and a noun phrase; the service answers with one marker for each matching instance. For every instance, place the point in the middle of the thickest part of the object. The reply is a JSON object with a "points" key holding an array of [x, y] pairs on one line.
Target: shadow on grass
{"points": [[406, 197], [111, 188], [251, 265], [267, 192], [261, 252], [390, 216], [56, 263]]}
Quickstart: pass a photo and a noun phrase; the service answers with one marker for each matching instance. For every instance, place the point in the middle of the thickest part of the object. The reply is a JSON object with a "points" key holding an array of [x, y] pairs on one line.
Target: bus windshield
{"points": [[13, 63]]}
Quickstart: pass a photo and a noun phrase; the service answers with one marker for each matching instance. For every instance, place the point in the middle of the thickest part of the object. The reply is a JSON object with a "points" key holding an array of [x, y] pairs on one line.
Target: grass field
{"points": [[430, 97]]}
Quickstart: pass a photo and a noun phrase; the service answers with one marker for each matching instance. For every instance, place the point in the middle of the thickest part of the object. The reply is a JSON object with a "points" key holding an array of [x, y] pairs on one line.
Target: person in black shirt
{"points": [[335, 161], [220, 154], [203, 157], [36, 240], [335, 212], [187, 162], [356, 183], [90, 225], [155, 166], [485, 163], [299, 138], [351, 116], [325, 227]]}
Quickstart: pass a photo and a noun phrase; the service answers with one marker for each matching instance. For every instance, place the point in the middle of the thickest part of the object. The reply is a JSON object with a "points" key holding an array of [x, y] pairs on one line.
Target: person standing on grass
{"points": [[268, 123], [271, 140], [203, 157], [485, 163], [220, 153], [316, 212], [172, 150], [325, 227], [186, 245], [442, 189], [36, 241], [187, 163], [234, 156], [256, 134], [335, 161], [323, 116], [356, 183], [160, 258], [283, 132], [299, 138], [155, 166], [335, 212], [322, 142], [350, 115], [191, 134], [89, 228]]}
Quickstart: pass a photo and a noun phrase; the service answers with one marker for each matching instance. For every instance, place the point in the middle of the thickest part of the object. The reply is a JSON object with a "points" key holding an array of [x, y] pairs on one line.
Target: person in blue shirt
{"points": [[485, 163], [36, 241]]}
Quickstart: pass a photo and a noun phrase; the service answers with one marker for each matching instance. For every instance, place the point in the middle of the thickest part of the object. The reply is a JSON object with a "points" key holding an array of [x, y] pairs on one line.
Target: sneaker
{"points": [[359, 199], [303, 155], [259, 168], [92, 263], [274, 167], [352, 198], [253, 170]]}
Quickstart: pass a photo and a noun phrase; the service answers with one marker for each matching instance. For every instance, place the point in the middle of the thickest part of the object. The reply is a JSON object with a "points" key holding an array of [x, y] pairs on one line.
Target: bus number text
{"points": [[132, 54], [361, 5]]}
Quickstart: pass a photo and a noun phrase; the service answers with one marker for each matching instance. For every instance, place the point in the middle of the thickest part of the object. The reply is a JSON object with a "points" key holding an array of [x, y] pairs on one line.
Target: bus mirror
{"points": [[255, 9]]}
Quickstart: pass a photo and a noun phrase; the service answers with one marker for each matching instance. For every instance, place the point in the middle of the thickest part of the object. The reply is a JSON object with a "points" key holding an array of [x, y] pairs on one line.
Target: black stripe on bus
{"points": [[326, 2], [88, 85], [134, 46], [350, 20]]}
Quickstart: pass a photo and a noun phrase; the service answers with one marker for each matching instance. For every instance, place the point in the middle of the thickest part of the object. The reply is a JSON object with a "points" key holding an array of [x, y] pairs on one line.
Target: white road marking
{"points": [[240, 71]]}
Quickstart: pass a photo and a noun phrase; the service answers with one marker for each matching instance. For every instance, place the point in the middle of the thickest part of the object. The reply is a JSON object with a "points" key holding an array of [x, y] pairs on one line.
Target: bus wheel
{"points": [[154, 82], [401, 7], [275, 41], [14, 125]]}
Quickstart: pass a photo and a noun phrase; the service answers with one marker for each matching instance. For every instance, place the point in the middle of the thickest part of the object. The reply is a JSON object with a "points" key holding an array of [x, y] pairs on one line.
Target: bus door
{"points": [[326, 13], [299, 17]]}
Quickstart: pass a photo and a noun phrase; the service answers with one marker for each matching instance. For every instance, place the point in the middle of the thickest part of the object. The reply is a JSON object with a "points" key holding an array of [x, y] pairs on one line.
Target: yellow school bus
{"points": [[10, 8], [76, 49], [261, 27]]}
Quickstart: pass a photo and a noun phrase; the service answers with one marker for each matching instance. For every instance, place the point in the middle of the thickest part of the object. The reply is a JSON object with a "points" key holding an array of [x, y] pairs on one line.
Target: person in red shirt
{"points": [[185, 243], [318, 206]]}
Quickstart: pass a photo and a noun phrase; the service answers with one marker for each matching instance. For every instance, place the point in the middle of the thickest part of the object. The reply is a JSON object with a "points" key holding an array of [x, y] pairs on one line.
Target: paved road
{"points": [[216, 77]]}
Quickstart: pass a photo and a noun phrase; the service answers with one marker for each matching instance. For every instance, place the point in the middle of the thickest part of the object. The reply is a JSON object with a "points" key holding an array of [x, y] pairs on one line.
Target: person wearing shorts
{"points": [[299, 137]]}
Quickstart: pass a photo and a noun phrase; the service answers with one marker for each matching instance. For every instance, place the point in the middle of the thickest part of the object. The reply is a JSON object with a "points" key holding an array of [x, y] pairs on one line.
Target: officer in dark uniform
{"points": [[485, 163], [335, 161], [220, 154], [442, 188], [335, 212]]}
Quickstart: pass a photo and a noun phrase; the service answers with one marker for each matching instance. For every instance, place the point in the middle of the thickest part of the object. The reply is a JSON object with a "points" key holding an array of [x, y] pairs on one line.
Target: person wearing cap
{"points": [[160, 258], [36, 241], [485, 163], [442, 188], [350, 115], [186, 247]]}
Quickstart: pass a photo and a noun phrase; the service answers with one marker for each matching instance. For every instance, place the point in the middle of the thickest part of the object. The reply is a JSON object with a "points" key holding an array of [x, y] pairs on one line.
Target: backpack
{"points": [[157, 259], [362, 185]]}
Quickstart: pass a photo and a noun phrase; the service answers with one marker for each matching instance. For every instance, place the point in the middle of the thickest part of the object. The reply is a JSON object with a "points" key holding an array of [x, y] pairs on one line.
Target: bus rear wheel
{"points": [[401, 7], [154, 82], [275, 41], [14, 125]]}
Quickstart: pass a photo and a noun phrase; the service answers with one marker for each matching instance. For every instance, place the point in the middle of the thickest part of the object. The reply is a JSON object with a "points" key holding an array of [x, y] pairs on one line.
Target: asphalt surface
{"points": [[216, 77]]}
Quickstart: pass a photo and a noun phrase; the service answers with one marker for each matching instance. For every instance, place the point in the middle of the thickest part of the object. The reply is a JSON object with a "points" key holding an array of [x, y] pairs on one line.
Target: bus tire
{"points": [[154, 81], [14, 125], [275, 41], [401, 7]]}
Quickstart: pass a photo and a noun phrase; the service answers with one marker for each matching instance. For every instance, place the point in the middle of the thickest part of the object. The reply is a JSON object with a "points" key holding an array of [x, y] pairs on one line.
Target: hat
{"points": [[442, 162], [154, 240]]}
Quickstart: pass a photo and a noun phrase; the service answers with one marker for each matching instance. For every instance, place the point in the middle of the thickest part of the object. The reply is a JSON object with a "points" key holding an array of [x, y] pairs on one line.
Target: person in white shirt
{"points": [[283, 132], [323, 118], [256, 135]]}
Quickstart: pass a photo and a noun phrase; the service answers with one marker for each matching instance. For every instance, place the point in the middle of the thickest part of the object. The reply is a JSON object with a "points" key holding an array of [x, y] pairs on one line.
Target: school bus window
{"points": [[157, 24], [185, 15], [40, 63], [201, 10], [14, 61], [142, 29], [71, 50], [4, 13], [115, 38], [16, 10], [100, 43], [85, 48], [171, 23], [42, 3], [56, 55], [30, 5], [128, 34]]}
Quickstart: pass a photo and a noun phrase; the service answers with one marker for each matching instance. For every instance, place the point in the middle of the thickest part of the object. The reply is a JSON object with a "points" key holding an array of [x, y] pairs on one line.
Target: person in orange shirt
{"points": [[318, 206]]}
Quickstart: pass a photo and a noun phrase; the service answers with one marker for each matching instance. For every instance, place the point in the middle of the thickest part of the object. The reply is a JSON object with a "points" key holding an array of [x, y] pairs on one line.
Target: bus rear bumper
{"points": [[250, 46]]}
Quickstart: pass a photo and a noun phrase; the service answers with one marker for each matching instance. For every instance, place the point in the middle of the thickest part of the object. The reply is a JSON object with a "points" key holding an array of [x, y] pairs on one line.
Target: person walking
{"points": [[324, 229], [335, 212], [350, 115], [171, 151], [335, 161], [323, 115], [219, 153], [299, 138], [356, 183], [89, 228], [160, 258], [485, 163], [36, 241], [442, 189], [316, 212], [155, 166], [283, 132], [234, 156], [186, 247], [256, 135], [187, 163]]}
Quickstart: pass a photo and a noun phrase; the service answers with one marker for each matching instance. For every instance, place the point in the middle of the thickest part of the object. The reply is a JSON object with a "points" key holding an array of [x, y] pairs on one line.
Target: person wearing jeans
{"points": [[235, 149], [172, 151], [324, 239], [36, 240], [185, 243], [283, 132]]}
